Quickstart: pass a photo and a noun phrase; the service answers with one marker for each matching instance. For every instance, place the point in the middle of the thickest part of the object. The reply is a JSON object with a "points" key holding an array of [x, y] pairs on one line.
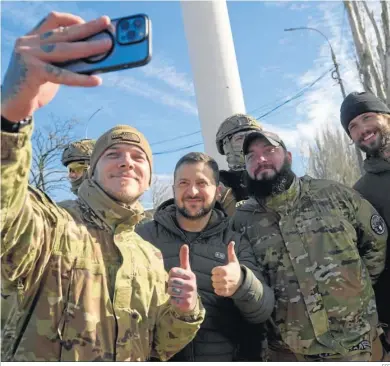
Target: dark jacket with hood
{"points": [[374, 186], [253, 302]]}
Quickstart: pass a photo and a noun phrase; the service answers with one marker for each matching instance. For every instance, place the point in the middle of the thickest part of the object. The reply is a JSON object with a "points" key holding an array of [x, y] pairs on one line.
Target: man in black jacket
{"points": [[366, 119], [228, 281]]}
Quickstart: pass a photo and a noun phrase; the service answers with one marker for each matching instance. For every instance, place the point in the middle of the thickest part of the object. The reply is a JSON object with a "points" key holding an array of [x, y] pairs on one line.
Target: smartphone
{"points": [[131, 47]]}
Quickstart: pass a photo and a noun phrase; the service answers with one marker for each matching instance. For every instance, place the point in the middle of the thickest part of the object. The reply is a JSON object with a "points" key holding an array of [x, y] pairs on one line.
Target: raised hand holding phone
{"points": [[51, 54]]}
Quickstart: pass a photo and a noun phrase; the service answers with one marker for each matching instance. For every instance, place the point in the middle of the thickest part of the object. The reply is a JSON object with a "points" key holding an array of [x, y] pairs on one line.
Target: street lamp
{"points": [[86, 128], [336, 76]]}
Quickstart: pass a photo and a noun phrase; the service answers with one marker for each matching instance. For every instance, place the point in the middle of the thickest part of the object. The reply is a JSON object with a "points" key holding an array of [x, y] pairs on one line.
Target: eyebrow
{"points": [[137, 149]]}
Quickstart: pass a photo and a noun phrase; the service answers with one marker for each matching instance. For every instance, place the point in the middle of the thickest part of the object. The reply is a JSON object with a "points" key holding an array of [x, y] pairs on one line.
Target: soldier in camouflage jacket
{"points": [[321, 247], [88, 287]]}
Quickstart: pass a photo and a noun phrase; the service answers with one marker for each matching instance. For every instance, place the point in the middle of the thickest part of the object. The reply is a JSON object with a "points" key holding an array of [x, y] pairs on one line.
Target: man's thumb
{"points": [[232, 258], [185, 257]]}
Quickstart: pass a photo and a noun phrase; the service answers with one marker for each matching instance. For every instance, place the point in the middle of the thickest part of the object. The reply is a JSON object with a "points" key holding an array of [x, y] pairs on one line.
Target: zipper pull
{"points": [[20, 291]]}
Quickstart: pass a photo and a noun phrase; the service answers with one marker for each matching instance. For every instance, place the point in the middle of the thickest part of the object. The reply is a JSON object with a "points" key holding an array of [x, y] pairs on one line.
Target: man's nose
{"points": [[126, 161], [194, 189]]}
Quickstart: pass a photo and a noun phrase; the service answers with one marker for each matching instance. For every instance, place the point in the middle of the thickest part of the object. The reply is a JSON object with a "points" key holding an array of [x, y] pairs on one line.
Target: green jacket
{"points": [[87, 292], [320, 246]]}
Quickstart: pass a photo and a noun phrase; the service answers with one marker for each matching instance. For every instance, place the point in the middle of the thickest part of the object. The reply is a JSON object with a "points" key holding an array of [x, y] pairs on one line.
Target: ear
{"points": [[219, 190], [289, 157]]}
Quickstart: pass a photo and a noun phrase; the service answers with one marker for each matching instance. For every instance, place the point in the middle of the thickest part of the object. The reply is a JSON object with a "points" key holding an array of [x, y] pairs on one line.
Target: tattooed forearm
{"points": [[48, 47], [14, 78], [46, 35]]}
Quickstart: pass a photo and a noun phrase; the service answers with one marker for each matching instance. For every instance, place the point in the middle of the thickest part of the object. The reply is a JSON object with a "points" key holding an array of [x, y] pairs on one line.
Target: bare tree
{"points": [[371, 36], [333, 157], [48, 143], [161, 190]]}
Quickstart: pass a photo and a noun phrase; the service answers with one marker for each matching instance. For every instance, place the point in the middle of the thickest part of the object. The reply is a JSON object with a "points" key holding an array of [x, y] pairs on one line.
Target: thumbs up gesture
{"points": [[228, 278], [182, 283]]}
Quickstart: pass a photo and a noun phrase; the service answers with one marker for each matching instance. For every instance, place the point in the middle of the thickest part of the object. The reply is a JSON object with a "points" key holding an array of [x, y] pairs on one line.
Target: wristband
{"points": [[14, 127]]}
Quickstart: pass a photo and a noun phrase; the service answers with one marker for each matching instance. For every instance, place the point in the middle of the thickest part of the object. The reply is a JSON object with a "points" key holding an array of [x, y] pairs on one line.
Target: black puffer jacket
{"points": [[374, 186], [221, 330]]}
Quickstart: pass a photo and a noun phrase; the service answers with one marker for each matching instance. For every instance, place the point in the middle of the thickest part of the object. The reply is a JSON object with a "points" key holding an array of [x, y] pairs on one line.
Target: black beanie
{"points": [[356, 104]]}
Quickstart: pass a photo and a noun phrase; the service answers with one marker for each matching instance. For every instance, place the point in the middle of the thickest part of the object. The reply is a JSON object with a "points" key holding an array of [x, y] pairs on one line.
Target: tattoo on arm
{"points": [[14, 77], [48, 47], [46, 35]]}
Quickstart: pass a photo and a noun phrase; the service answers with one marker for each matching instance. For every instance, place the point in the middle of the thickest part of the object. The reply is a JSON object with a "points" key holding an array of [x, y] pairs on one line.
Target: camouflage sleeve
{"points": [[174, 330], [27, 221], [372, 237], [227, 200], [254, 298]]}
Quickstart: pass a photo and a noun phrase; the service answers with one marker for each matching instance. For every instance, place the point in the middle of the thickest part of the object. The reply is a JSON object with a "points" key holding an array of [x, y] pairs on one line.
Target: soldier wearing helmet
{"points": [[229, 139], [76, 158]]}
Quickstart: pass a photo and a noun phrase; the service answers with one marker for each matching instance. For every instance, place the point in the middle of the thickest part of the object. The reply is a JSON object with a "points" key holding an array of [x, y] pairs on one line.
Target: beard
{"points": [[271, 186], [181, 209], [380, 144]]}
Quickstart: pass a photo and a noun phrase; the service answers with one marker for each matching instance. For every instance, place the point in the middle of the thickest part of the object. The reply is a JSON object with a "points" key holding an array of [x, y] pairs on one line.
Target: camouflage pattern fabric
{"points": [[78, 151], [88, 290], [227, 200], [320, 246]]}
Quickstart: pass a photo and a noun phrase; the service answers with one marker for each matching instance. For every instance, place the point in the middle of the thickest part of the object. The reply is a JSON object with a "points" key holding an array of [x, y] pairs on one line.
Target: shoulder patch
{"points": [[377, 224]]}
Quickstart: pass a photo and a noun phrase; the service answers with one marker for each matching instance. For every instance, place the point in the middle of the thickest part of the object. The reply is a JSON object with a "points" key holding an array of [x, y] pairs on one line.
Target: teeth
{"points": [[369, 136]]}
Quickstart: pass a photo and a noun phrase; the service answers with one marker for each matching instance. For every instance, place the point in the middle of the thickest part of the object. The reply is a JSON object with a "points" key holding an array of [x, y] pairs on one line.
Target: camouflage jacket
{"points": [[320, 246], [233, 190], [86, 293]]}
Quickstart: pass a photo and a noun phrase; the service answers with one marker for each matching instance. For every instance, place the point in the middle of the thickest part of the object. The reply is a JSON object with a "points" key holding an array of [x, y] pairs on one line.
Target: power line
{"points": [[178, 149], [175, 138], [296, 96]]}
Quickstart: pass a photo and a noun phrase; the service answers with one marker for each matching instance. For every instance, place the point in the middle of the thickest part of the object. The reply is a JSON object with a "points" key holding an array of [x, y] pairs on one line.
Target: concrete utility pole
{"points": [[214, 67], [336, 76]]}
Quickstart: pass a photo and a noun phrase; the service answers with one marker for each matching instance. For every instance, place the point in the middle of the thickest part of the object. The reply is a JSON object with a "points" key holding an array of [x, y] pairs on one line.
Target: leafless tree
{"points": [[161, 190], [371, 36], [333, 157], [48, 143]]}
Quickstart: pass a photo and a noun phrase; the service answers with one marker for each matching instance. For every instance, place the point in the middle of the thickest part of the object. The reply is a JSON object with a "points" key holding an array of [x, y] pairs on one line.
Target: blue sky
{"points": [[159, 99]]}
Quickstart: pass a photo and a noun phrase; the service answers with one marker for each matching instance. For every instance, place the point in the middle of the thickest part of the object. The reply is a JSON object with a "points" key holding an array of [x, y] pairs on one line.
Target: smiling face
{"points": [[123, 171], [195, 190], [264, 160], [369, 131]]}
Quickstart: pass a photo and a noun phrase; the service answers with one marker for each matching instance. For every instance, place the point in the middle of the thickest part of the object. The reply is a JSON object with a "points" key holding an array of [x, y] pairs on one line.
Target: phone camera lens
{"points": [[138, 23], [125, 25], [131, 35]]}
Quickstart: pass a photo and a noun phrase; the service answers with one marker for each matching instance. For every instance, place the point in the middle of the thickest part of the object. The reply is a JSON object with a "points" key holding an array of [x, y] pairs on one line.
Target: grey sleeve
{"points": [[254, 298]]}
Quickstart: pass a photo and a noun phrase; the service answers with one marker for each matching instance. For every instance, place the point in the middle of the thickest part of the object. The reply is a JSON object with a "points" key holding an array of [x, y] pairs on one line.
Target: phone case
{"points": [[132, 46]]}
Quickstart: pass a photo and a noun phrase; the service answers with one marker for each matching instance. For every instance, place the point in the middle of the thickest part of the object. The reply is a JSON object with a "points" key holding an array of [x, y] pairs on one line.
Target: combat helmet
{"points": [[78, 151], [233, 124]]}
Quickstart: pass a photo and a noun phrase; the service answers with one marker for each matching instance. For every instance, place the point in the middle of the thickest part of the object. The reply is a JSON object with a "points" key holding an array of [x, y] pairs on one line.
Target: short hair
{"points": [[198, 157]]}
